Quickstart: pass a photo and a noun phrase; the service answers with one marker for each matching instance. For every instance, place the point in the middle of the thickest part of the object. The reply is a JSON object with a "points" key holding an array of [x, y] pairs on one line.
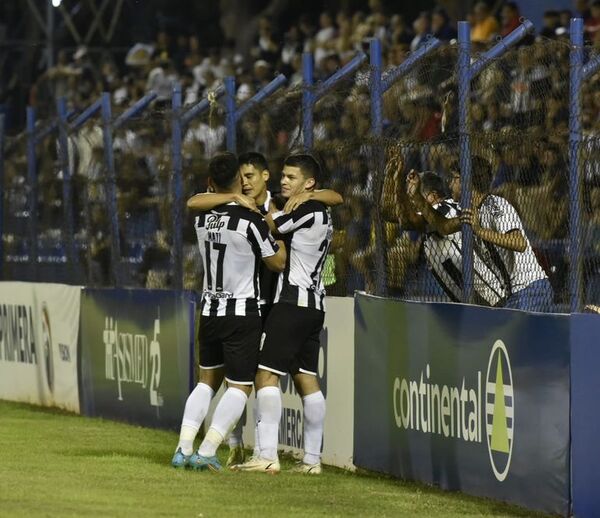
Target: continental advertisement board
{"points": [[465, 398], [39, 326], [136, 348]]}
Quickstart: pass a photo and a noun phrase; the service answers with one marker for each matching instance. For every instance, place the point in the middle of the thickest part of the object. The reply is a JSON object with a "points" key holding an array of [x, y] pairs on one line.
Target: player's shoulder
{"points": [[497, 205], [311, 206], [247, 215]]}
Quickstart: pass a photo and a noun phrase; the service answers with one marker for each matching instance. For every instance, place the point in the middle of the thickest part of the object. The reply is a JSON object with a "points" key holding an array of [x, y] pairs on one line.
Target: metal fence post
{"points": [[378, 163], [575, 77], [32, 197], [63, 153], [111, 191], [464, 92], [308, 100], [230, 121], [177, 188]]}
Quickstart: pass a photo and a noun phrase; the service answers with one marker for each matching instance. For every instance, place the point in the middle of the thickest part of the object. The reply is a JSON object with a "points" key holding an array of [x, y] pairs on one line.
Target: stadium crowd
{"points": [[519, 123]]}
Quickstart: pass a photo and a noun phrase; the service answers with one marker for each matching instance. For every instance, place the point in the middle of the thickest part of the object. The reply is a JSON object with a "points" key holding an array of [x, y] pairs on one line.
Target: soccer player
{"points": [[232, 241], [255, 174], [291, 335]]}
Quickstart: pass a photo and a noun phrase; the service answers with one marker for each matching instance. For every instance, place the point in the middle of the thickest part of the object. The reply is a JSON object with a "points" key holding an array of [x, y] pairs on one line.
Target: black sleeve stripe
{"points": [[443, 209], [306, 208], [282, 220], [310, 221], [262, 228]]}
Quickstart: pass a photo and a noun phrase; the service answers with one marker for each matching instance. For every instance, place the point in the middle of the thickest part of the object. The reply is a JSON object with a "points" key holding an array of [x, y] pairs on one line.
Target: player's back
{"points": [[444, 255], [230, 239]]}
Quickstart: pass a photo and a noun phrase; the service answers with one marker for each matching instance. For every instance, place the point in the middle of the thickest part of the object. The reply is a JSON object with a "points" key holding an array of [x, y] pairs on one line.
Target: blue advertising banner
{"points": [[585, 417], [466, 398], [136, 355]]}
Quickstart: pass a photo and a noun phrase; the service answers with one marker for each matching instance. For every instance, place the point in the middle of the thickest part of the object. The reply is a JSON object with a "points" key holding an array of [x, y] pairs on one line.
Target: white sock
{"points": [[314, 419], [195, 411], [256, 451], [235, 437], [269, 414], [227, 414]]}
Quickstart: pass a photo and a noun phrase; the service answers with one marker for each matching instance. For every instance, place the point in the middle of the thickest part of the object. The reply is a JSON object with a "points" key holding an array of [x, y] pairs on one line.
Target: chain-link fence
{"points": [[518, 129]]}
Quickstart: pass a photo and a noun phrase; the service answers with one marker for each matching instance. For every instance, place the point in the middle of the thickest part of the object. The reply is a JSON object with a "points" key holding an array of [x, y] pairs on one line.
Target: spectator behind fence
{"points": [[423, 205], [499, 232], [485, 26], [511, 18]]}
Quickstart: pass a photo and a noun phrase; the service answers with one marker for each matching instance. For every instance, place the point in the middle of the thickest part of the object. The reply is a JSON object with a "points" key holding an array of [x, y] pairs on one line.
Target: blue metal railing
{"points": [[579, 72], [311, 93], [466, 72]]}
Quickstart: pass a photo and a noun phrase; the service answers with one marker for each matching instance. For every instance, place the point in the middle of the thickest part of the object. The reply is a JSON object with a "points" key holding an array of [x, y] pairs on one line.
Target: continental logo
{"points": [[465, 412], [499, 410]]}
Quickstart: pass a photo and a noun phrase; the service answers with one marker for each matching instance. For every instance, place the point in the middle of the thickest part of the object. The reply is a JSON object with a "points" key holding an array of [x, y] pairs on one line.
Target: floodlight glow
{"points": [[56, 3]]}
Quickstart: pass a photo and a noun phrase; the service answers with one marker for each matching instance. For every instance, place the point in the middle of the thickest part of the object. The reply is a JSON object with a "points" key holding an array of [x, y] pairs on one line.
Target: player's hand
{"points": [[471, 217], [413, 183], [247, 202], [295, 201]]}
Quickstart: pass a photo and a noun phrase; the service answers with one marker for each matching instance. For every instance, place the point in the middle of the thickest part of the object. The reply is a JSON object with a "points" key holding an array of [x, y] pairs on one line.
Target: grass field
{"points": [[59, 464]]}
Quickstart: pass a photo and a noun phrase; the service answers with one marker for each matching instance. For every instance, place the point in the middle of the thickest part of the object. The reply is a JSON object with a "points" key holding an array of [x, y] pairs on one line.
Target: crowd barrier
{"points": [[137, 354], [39, 327], [478, 400], [491, 402]]}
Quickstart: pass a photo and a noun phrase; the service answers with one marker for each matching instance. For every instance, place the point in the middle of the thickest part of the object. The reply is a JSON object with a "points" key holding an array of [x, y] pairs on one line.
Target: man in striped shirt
{"points": [[291, 337], [232, 242]]}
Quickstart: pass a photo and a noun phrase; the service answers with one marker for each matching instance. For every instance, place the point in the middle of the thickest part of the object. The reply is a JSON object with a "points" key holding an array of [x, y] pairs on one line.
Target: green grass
{"points": [[54, 463]]}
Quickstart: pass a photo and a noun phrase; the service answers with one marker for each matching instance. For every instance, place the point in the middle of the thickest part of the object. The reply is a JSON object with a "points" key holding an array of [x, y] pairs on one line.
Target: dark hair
{"points": [[431, 182], [254, 159], [481, 174], [512, 5], [223, 169], [307, 164]]}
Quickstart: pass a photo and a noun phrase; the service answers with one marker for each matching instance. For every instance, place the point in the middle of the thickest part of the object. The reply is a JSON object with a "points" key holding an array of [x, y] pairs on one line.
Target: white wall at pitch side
{"points": [[39, 327]]}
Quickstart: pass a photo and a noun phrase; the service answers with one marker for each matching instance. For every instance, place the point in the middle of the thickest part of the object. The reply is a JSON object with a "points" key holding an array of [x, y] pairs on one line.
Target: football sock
{"points": [[227, 414], [314, 419], [235, 437], [256, 451], [195, 411], [269, 414]]}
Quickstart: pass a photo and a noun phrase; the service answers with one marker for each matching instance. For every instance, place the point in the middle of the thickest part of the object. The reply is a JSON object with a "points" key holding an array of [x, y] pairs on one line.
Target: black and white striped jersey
{"points": [[522, 268], [444, 256], [307, 233], [232, 241], [267, 278]]}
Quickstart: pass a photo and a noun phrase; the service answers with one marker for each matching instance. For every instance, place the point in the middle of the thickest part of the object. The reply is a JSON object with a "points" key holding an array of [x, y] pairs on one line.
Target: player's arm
{"points": [[209, 200], [407, 215], [326, 196], [512, 239], [273, 253], [437, 221], [276, 262], [282, 223]]}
